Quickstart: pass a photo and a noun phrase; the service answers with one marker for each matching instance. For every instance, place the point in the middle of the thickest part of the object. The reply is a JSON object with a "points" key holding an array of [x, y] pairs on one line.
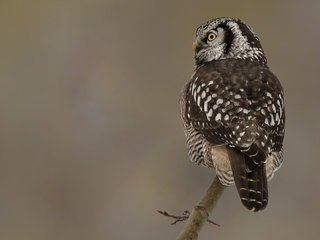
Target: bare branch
{"points": [[200, 213]]}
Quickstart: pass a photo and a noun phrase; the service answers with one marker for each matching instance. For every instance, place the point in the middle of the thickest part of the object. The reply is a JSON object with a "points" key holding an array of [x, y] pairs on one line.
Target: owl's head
{"points": [[225, 38]]}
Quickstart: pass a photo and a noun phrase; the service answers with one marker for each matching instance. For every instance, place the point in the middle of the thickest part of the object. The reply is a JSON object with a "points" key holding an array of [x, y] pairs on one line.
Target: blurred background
{"points": [[91, 141]]}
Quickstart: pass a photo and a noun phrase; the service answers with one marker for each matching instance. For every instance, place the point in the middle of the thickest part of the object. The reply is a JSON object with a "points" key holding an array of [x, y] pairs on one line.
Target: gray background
{"points": [[91, 142]]}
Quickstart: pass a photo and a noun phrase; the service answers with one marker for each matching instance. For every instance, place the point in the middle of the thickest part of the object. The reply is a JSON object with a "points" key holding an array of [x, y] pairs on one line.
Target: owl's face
{"points": [[224, 38]]}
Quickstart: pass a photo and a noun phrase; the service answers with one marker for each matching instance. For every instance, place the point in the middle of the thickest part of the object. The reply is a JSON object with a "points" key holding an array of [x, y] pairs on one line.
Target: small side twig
{"points": [[185, 216]]}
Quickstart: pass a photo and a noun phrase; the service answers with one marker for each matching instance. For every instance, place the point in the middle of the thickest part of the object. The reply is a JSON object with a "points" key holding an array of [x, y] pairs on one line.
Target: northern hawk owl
{"points": [[233, 109]]}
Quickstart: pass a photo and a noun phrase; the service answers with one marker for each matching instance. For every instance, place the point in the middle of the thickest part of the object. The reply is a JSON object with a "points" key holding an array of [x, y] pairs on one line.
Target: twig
{"points": [[185, 216], [200, 213]]}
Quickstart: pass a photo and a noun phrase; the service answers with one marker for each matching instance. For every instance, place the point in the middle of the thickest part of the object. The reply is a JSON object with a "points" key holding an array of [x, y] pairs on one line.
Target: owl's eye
{"points": [[211, 36]]}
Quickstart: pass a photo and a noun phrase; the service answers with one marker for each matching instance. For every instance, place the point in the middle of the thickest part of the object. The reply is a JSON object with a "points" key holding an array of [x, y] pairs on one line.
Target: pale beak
{"points": [[194, 46]]}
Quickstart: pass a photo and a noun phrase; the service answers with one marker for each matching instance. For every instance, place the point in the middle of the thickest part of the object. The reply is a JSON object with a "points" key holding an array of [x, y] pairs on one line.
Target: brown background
{"points": [[91, 142]]}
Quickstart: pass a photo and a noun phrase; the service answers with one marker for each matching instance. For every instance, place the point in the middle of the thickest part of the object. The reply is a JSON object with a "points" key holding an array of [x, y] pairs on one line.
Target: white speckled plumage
{"points": [[233, 110]]}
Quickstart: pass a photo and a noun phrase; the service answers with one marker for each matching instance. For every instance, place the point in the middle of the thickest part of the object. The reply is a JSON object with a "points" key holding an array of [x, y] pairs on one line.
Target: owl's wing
{"points": [[243, 111]]}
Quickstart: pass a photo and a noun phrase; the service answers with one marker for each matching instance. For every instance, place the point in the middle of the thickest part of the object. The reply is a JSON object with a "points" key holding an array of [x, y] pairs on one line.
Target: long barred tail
{"points": [[252, 185]]}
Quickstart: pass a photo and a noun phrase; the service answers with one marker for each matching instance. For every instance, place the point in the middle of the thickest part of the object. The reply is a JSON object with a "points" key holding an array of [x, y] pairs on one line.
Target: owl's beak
{"points": [[194, 46]]}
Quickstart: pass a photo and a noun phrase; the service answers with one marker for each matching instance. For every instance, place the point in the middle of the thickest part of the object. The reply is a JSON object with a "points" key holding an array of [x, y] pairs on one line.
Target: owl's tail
{"points": [[252, 185]]}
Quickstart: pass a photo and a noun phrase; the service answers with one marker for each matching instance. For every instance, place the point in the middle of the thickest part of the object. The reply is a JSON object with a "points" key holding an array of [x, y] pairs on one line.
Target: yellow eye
{"points": [[211, 36]]}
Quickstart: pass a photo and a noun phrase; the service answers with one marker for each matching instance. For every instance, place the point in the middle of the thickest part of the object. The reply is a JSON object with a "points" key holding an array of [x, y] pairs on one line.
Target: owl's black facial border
{"points": [[228, 39], [228, 36], [252, 40]]}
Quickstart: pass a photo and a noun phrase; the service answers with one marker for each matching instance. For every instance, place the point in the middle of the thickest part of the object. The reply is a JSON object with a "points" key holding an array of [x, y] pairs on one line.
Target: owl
{"points": [[233, 110]]}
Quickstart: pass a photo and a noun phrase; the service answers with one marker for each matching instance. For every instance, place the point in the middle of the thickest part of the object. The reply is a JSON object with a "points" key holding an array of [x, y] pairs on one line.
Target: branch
{"points": [[200, 213]]}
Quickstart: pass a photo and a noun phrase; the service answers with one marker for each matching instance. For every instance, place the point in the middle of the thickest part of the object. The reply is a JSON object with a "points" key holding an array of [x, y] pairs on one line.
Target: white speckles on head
{"points": [[215, 107], [266, 121], [210, 83], [237, 96], [213, 95], [226, 117], [204, 94]]}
